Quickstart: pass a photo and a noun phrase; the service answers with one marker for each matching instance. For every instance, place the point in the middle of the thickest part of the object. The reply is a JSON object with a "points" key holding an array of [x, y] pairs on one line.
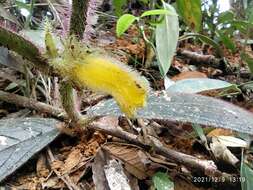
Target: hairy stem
{"points": [[77, 26], [68, 101], [25, 48], [78, 21]]}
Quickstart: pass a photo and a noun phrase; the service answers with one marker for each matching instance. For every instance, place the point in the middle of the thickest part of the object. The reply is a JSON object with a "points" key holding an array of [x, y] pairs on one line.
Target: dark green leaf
{"points": [[225, 17], [20, 139], [191, 108], [227, 41], [118, 6]]}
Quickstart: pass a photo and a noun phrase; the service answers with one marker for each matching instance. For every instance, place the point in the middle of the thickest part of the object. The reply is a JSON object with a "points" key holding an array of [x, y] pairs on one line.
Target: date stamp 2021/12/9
{"points": [[206, 179]]}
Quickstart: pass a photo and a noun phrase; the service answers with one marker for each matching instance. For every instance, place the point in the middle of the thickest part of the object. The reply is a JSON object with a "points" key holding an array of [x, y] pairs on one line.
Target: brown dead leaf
{"points": [[220, 132], [41, 167], [72, 161], [189, 74], [57, 165], [98, 175], [135, 160]]}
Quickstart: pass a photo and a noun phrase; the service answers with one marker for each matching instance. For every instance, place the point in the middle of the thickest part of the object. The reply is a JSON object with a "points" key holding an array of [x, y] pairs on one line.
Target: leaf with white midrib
{"points": [[190, 108], [21, 138]]}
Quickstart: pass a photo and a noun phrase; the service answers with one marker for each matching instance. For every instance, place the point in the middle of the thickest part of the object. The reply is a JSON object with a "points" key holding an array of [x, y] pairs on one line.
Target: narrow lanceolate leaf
{"points": [[196, 85], [20, 139], [166, 39], [190, 10], [124, 22], [190, 108], [157, 12]]}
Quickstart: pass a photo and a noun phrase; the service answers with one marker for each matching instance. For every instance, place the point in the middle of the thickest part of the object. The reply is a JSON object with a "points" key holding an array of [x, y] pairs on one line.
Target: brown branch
{"points": [[206, 166], [32, 104], [199, 58]]}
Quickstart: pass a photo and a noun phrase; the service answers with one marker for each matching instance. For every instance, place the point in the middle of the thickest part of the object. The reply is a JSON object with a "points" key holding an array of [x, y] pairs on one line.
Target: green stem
{"points": [[25, 48], [77, 26], [68, 101], [77, 21]]}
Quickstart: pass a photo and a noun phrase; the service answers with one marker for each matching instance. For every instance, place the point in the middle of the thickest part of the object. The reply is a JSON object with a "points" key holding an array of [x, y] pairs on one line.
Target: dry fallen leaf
{"points": [[135, 160], [72, 161], [189, 74]]}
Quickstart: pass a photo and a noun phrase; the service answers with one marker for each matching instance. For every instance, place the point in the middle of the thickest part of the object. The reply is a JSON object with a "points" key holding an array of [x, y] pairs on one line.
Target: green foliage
{"points": [[226, 16], [190, 11], [162, 182], [118, 6], [248, 59], [246, 177], [205, 39], [167, 34], [124, 22], [227, 41], [157, 12]]}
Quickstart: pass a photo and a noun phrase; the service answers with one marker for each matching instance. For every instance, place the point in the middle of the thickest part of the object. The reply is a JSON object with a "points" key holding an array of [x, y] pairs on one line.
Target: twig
{"points": [[199, 58], [65, 178], [205, 166], [31, 103]]}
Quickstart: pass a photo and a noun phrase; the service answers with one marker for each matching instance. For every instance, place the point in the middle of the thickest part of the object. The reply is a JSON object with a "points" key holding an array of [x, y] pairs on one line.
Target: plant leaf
{"points": [[190, 10], [21, 138], [196, 85], [227, 41], [206, 40], [226, 17], [191, 108], [247, 177], [166, 39], [118, 4], [200, 132], [157, 12], [249, 60], [124, 22], [162, 182]]}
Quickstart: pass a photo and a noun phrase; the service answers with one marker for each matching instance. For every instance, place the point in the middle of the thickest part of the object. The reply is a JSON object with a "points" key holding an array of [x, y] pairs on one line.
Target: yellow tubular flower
{"points": [[104, 74]]}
